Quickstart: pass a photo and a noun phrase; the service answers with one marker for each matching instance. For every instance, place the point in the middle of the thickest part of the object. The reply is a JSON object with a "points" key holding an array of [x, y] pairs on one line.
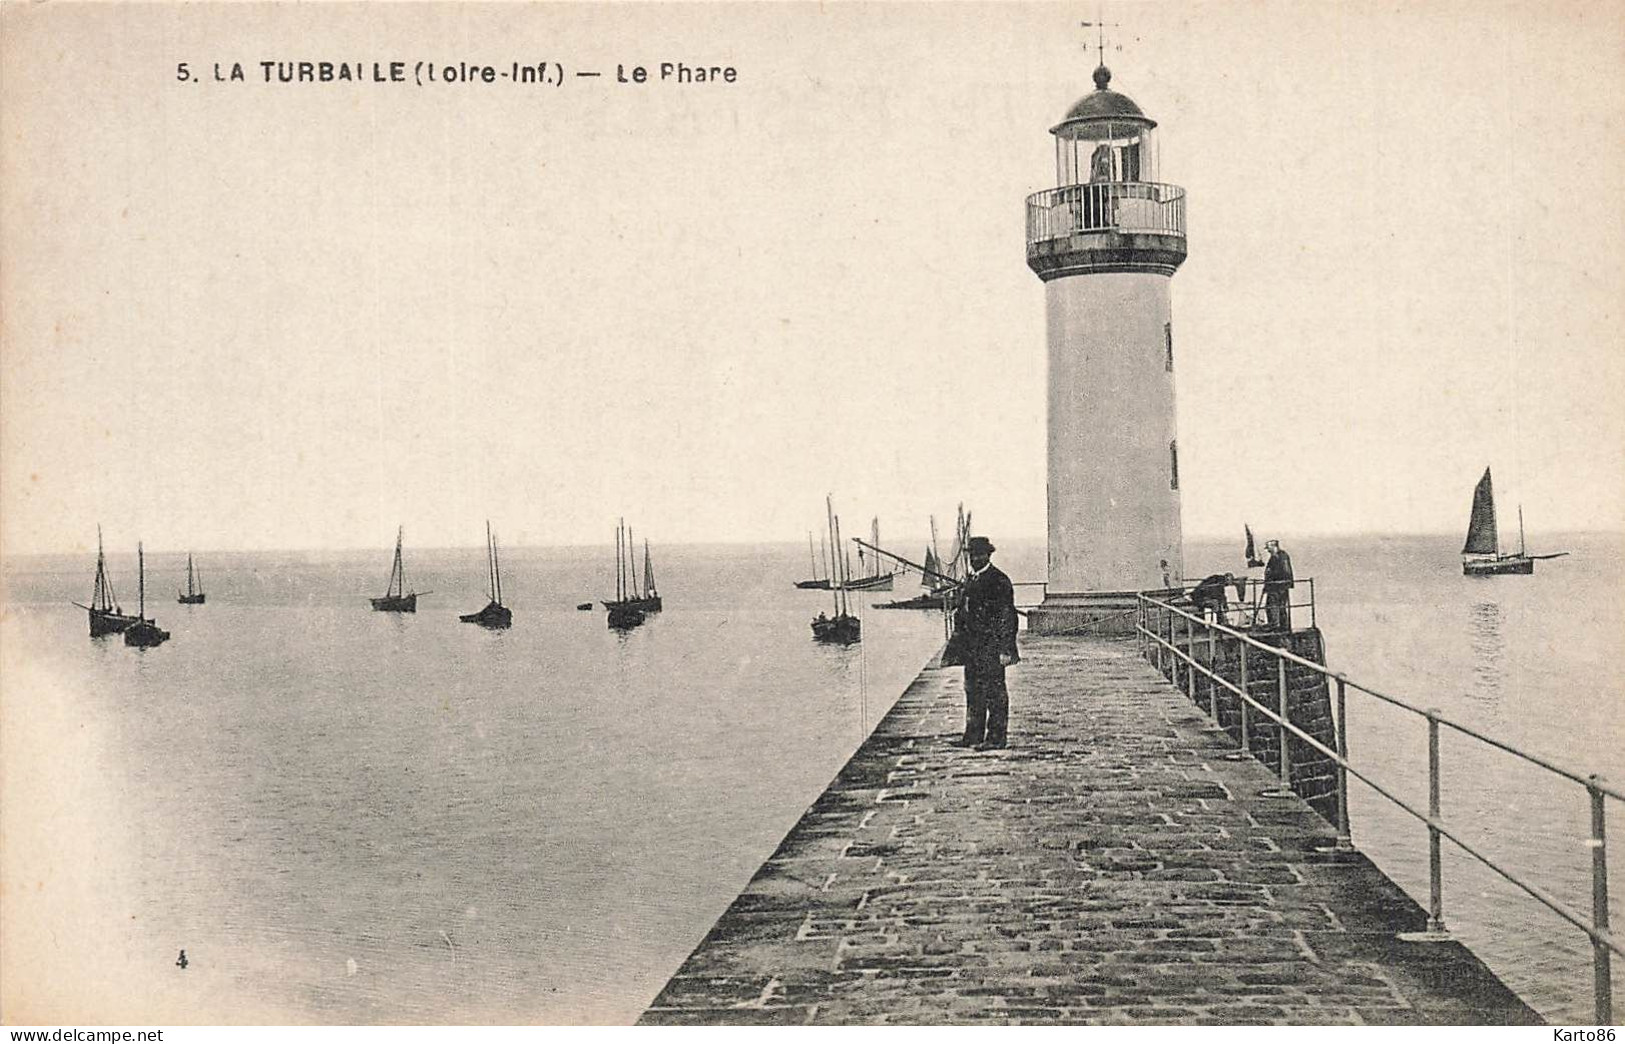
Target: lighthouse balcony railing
{"points": [[1106, 206], [1184, 646]]}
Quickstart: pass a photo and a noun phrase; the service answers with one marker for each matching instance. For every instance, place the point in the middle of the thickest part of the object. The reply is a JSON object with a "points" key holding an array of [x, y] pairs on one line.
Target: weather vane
{"points": [[1100, 28], [1100, 25]]}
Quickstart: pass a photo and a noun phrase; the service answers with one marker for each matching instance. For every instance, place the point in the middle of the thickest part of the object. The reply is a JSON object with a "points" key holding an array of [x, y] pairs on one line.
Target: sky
{"points": [[252, 316]]}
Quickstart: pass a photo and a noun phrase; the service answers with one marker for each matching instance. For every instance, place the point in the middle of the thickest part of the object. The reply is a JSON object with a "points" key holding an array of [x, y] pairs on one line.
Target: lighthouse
{"points": [[1107, 241]]}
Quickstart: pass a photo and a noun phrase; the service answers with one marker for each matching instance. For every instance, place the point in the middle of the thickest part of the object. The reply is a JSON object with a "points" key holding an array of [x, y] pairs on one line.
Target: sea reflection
{"points": [[1489, 651]]}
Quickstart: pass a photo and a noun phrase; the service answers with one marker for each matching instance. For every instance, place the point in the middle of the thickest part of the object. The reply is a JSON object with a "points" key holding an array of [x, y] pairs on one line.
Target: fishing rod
{"points": [[900, 560], [949, 582]]}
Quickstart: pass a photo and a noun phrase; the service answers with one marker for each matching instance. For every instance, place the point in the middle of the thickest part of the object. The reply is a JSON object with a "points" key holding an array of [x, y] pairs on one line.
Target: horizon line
{"points": [[1039, 538]]}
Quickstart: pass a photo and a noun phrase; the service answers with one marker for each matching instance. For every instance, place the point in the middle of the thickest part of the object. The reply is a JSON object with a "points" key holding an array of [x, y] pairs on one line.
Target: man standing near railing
{"points": [[1278, 584], [986, 633]]}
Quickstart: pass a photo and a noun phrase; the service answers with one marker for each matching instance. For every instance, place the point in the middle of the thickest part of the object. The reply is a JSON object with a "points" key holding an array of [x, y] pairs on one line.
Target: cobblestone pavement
{"points": [[1112, 866]]}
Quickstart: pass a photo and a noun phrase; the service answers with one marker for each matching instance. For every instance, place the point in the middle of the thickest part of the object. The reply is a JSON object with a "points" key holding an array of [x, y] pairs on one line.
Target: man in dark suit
{"points": [[1209, 595], [1278, 584], [986, 637]]}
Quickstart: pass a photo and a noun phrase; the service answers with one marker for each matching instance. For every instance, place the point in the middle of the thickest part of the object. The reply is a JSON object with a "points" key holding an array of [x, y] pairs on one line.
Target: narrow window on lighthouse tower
{"points": [[1168, 339], [1173, 464]]}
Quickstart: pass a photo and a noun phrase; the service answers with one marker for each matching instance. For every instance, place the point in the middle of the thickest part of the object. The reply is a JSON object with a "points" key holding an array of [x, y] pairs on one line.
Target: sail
{"points": [[933, 567], [1482, 538]]}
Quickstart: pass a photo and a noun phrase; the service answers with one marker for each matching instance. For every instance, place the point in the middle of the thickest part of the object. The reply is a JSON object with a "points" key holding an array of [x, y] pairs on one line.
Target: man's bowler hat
{"points": [[980, 545]]}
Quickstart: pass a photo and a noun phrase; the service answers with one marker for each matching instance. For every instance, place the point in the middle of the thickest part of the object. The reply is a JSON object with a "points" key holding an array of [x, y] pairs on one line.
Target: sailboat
{"points": [[395, 598], [144, 633], [817, 583], [875, 580], [106, 617], [843, 628], [1481, 554], [937, 593], [495, 614], [194, 590], [626, 610], [651, 595]]}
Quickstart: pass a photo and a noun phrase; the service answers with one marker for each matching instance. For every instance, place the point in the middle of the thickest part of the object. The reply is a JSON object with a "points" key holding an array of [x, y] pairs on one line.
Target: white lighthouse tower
{"points": [[1106, 242]]}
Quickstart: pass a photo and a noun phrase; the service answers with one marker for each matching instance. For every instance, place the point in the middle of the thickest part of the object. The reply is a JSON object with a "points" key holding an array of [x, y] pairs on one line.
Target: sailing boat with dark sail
{"points": [[843, 628], [495, 614], [651, 602], [144, 633], [396, 599], [193, 595], [1481, 554], [106, 617]]}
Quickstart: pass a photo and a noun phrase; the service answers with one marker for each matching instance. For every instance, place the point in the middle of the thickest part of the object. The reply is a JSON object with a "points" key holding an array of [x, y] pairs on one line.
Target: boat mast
{"points": [[812, 555], [141, 578], [619, 562], [397, 571], [829, 521], [496, 567], [648, 572], [1520, 531], [846, 576], [490, 564], [98, 598], [632, 564], [874, 538]]}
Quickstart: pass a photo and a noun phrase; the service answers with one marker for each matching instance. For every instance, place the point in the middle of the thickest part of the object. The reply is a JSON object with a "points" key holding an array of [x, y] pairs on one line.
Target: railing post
{"points": [[1600, 957], [1344, 841], [1246, 708], [1312, 602], [1190, 661], [1173, 649], [1286, 716], [1165, 651], [1435, 866], [1213, 674]]}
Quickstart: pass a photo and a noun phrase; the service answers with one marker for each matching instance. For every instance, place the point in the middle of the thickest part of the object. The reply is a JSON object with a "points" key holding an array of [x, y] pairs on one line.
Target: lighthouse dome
{"points": [[1102, 113]]}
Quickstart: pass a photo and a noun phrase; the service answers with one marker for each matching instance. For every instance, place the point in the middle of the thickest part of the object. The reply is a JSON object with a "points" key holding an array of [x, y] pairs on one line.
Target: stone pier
{"points": [[1115, 865]]}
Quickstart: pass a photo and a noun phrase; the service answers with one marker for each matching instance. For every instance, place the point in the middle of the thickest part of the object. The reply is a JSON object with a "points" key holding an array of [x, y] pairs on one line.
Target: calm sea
{"points": [[347, 816]]}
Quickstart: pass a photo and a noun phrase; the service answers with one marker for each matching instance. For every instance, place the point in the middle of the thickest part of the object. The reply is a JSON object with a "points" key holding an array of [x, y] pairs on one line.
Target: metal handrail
{"points": [[1598, 929], [1105, 206]]}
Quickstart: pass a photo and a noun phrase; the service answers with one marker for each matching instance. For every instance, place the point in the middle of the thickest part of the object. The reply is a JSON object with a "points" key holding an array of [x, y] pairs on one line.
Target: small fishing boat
{"points": [[1481, 555], [584, 607], [875, 580], [144, 633], [843, 628], [935, 576], [395, 598], [929, 600], [495, 614], [194, 589], [106, 617]]}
